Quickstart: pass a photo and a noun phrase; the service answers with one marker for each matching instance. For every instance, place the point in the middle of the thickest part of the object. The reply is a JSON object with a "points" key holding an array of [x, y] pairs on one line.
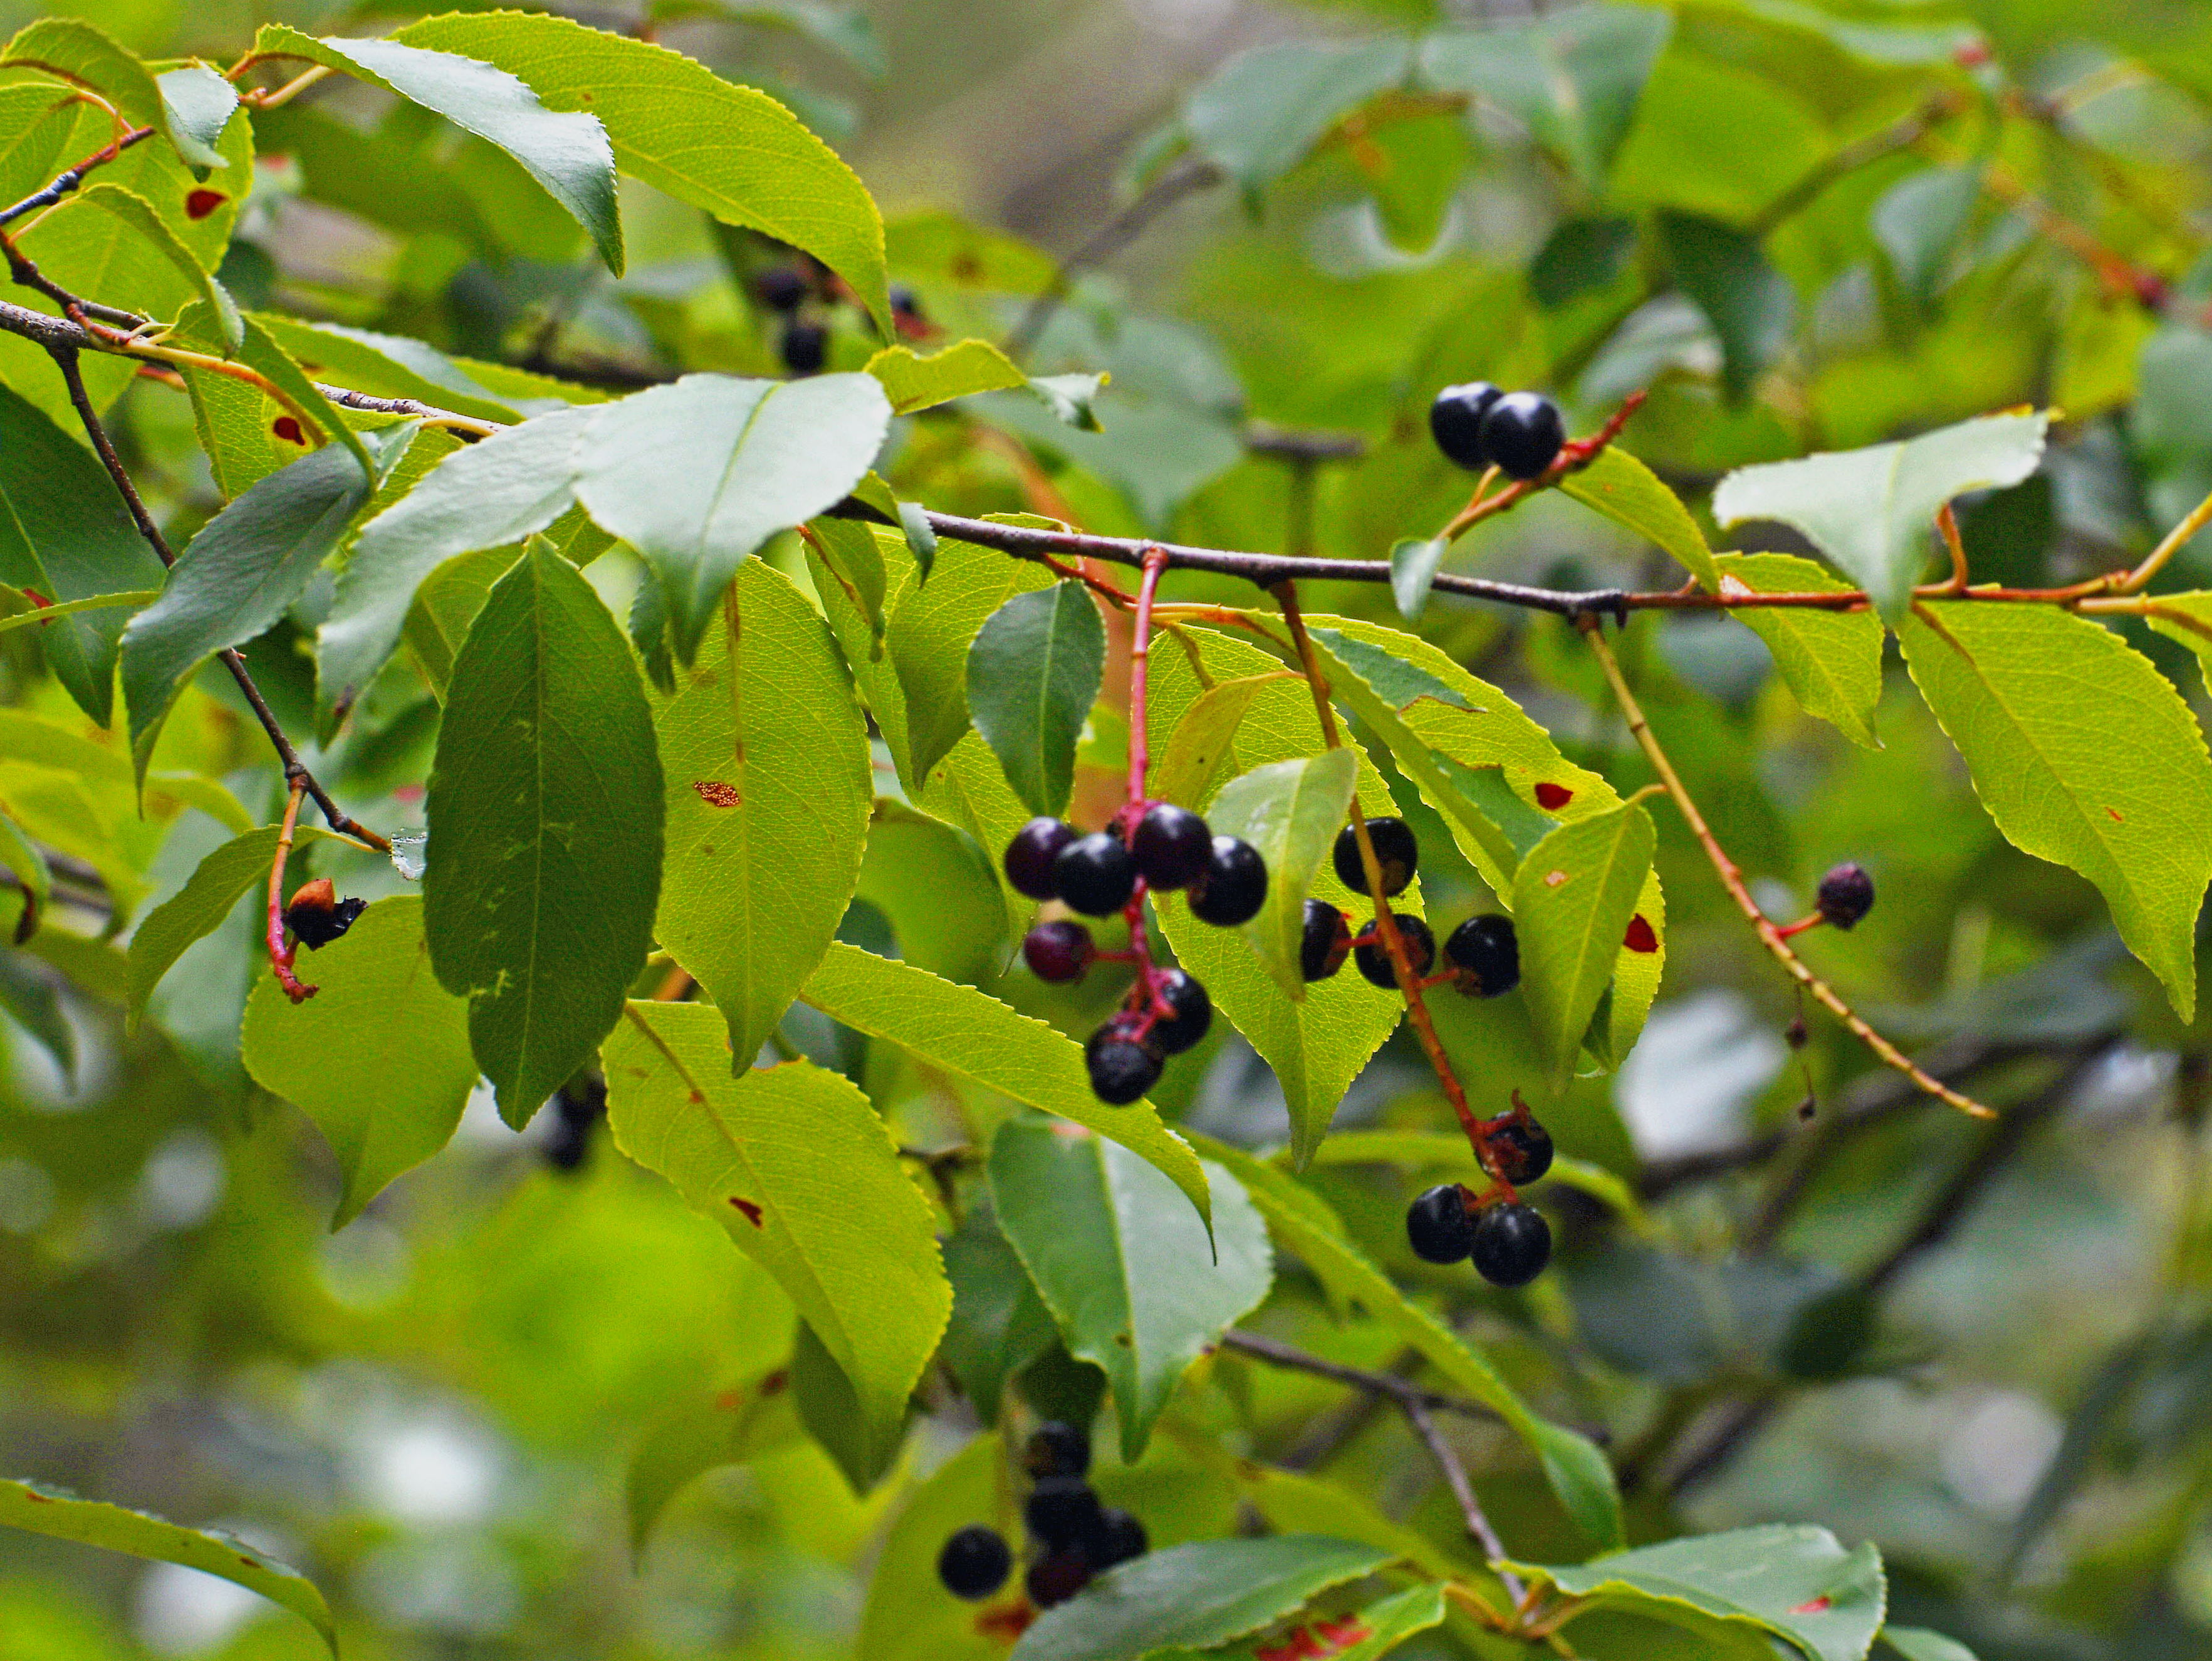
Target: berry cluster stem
{"points": [[280, 955], [1731, 876], [1155, 1008], [1386, 930]]}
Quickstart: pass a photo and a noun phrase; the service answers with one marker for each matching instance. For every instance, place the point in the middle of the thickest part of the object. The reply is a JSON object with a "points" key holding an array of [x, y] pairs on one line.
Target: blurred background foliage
{"points": [[1991, 1353]]}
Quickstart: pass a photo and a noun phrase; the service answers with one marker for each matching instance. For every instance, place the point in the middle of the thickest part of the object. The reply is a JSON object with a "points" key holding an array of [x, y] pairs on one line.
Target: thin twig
{"points": [[1109, 239], [1399, 1391], [70, 179], [1731, 876], [2169, 545], [1470, 1508]]}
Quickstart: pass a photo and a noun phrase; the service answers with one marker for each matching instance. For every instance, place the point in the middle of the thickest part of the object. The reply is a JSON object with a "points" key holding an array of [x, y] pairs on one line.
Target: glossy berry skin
{"points": [[1030, 853], [1234, 888], [1063, 1511], [1846, 894], [1455, 423], [1172, 846], [1396, 850], [318, 925], [1058, 951], [1523, 1149], [804, 347], [1326, 943], [1522, 433], [1512, 1244], [783, 288], [1374, 962], [1055, 1579], [1122, 1068], [1055, 1449], [974, 1562], [1194, 1013], [1094, 875], [1119, 1537], [1437, 1226], [1487, 951]]}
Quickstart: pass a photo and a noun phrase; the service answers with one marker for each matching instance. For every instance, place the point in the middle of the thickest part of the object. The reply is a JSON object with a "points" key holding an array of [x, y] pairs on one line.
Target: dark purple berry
{"points": [[1194, 1013], [782, 288], [317, 916], [1455, 423], [1056, 1450], [974, 1562], [1395, 850], [1094, 875], [1437, 1226], [1374, 962], [905, 303], [1234, 888], [1523, 1150], [1119, 1538], [1512, 1244], [1058, 951], [1846, 894], [804, 347], [1122, 1066], [1056, 1578], [1063, 1511], [1487, 952], [1030, 853], [1172, 846], [1326, 943], [577, 1106], [1521, 433]]}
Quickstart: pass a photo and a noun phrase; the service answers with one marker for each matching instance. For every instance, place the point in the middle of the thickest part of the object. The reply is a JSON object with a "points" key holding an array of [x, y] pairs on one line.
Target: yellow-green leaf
{"points": [[1831, 660], [1573, 899]]}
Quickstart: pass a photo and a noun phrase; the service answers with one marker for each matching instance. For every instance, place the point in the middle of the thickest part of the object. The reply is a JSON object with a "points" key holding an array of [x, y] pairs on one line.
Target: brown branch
{"points": [[1399, 1391], [281, 956], [71, 178], [1470, 1508]]}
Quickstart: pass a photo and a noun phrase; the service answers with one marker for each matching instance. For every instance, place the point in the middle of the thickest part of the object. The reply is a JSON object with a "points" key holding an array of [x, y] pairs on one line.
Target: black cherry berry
{"points": [[804, 347], [1056, 1449], [1120, 1536], [1846, 894], [1523, 1149], [1522, 433], [1194, 1013], [1512, 1244], [1437, 1226], [1486, 954], [1122, 1066], [1058, 951], [1327, 942], [1455, 423], [1172, 846], [783, 288], [1057, 1576], [1030, 853], [1094, 875], [1235, 884], [1062, 1510], [974, 1562], [1374, 961], [1396, 850]]}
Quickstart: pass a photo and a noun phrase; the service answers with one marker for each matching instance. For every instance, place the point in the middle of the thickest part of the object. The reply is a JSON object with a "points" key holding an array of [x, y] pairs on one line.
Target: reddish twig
{"points": [[281, 956]]}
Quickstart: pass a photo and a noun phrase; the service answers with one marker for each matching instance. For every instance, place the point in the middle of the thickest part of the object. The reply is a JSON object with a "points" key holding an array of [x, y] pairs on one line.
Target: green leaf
{"points": [[862, 1444], [137, 213], [1831, 660], [569, 154], [197, 104], [2187, 618], [846, 550], [1316, 1045], [1872, 511], [845, 30], [31, 999], [1919, 1644], [1794, 1582], [198, 907], [909, 1617], [390, 366], [939, 890], [796, 1165], [545, 817], [1362, 1635], [999, 1325], [66, 533], [1726, 273], [1259, 113], [696, 475], [1033, 674], [1412, 571], [968, 789], [1572, 79], [1196, 1596], [1629, 493], [1919, 222], [1120, 1262], [1291, 811], [914, 382], [379, 1058], [1300, 1221], [259, 351], [240, 573], [79, 54], [932, 626], [1573, 899], [969, 1035], [1187, 769], [59, 1514], [767, 785], [445, 604], [1072, 398], [682, 129], [698, 1432], [2084, 754], [34, 878]]}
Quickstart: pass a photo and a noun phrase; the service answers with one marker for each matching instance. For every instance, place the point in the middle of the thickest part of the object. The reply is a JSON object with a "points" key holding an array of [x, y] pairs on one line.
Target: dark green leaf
{"points": [[999, 1325], [29, 994], [1749, 303], [1413, 569], [545, 817], [1580, 257], [1919, 222], [864, 1447], [1033, 674], [1259, 113]]}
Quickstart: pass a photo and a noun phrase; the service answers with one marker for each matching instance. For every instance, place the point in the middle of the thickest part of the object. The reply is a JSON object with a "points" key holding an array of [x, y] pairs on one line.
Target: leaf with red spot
{"points": [[699, 1431], [1553, 797], [200, 204], [287, 428]]}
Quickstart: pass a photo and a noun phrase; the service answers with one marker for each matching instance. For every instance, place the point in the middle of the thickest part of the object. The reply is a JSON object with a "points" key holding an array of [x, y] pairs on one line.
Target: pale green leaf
{"points": [[1623, 490], [1573, 899], [1259, 114], [999, 1325], [795, 1164], [913, 381], [698, 1432], [1413, 566], [1831, 660], [197, 103], [1033, 674], [137, 213], [1289, 811], [1919, 1644], [1204, 742], [2084, 754], [939, 890]]}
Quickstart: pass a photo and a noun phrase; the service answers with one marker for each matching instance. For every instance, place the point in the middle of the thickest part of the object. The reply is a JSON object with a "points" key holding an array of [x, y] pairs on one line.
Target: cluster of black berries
{"points": [[1509, 1242], [317, 916], [1166, 847], [1483, 952], [1075, 1537], [801, 293], [1478, 427]]}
